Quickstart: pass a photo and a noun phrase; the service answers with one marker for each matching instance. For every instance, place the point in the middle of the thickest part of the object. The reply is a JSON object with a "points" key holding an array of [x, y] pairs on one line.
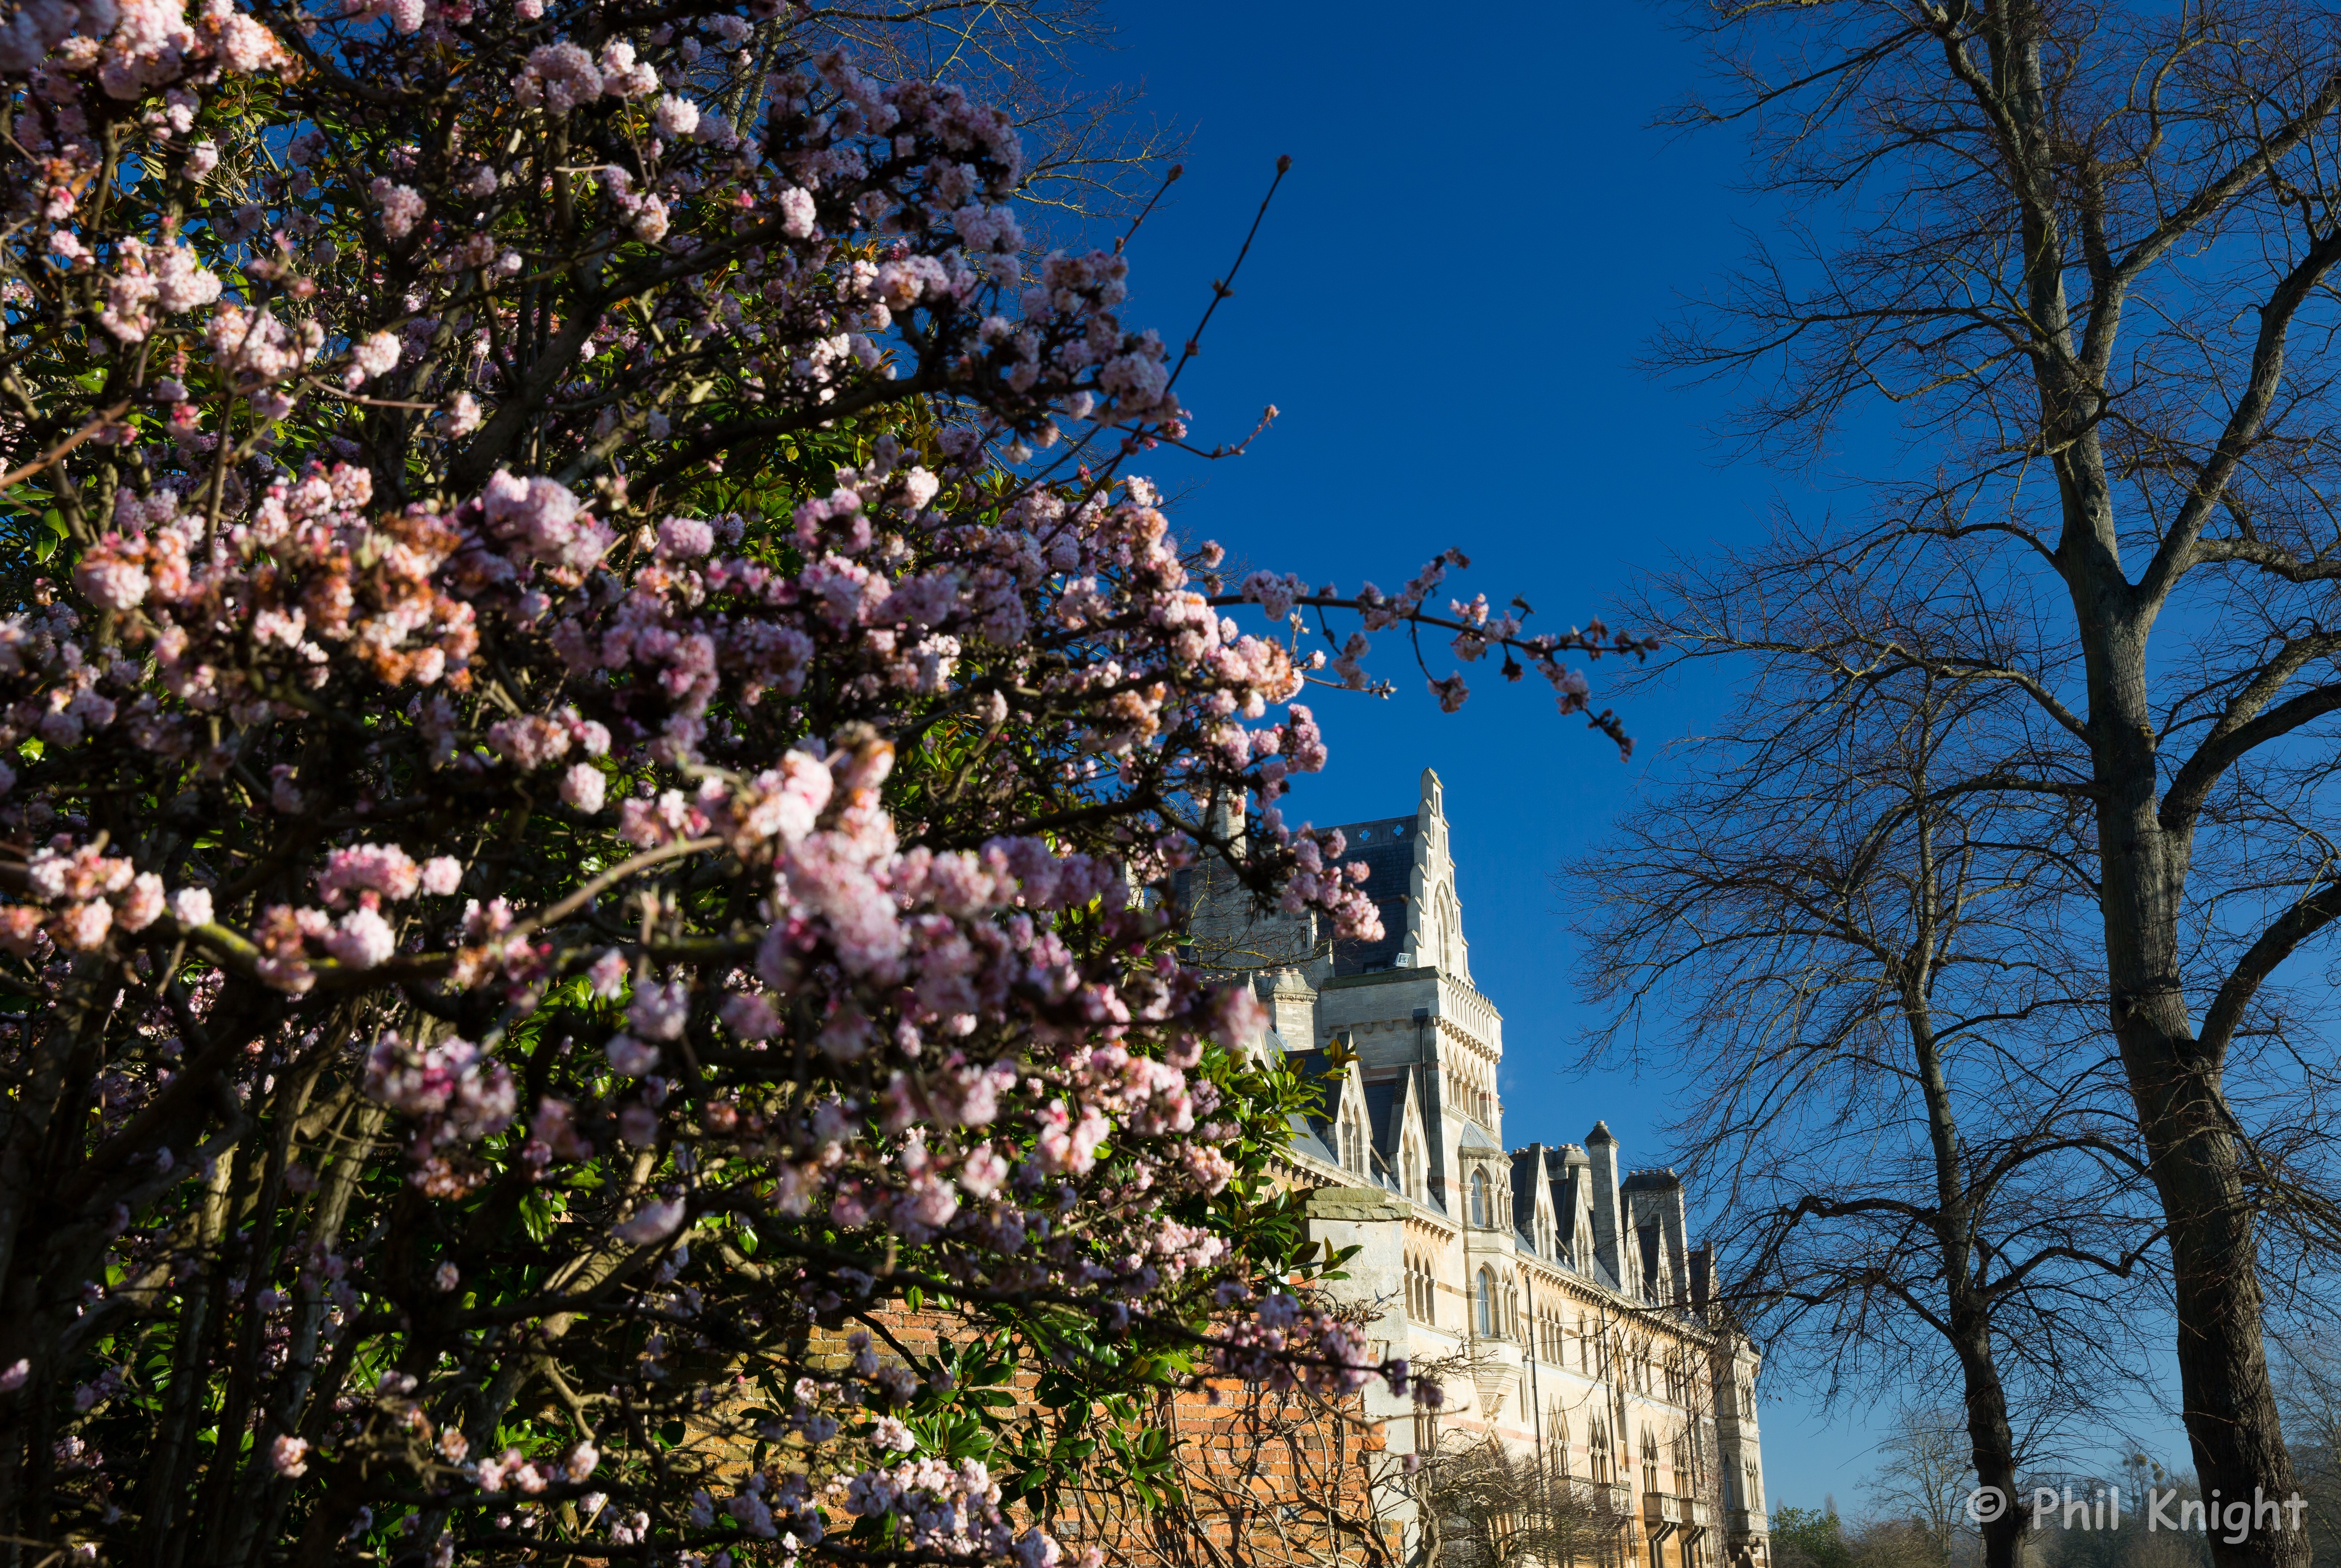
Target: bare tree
{"points": [[2308, 1389], [2084, 253], [1250, 1477], [1092, 156], [1487, 1506], [1924, 1474], [1853, 918]]}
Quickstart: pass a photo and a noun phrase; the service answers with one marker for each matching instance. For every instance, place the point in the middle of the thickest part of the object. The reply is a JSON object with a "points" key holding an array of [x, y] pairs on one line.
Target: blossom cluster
{"points": [[598, 752]]}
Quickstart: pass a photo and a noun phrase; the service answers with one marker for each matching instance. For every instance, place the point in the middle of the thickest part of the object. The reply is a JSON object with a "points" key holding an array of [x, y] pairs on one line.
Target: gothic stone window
{"points": [[1422, 1291], [1486, 1304], [1479, 1210], [1353, 1139]]}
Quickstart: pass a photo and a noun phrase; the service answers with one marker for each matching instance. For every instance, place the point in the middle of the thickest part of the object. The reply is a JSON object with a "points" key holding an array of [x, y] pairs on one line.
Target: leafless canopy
{"points": [[2079, 258]]}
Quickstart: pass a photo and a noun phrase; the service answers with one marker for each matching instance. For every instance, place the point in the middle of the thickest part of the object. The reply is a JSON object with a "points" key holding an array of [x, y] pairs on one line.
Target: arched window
{"points": [[1479, 1215], [1597, 1451], [1560, 1438], [1487, 1304], [1650, 1460], [1411, 1165], [1353, 1139]]}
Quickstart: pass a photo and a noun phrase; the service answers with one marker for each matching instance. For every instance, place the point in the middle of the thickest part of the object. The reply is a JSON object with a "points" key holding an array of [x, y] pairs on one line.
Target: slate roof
{"points": [[1305, 1139], [1386, 846], [1386, 1116]]}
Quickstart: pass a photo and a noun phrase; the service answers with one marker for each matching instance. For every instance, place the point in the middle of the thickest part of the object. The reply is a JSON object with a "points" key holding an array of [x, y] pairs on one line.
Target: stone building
{"points": [[1556, 1289]]}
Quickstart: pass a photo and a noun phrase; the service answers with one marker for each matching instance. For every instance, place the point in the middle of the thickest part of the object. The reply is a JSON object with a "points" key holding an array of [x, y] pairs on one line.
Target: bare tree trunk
{"points": [[2174, 1079], [2025, 170], [1990, 1438]]}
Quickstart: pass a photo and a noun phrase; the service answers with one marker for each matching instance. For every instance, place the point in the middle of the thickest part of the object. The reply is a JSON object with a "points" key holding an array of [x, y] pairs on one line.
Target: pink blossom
{"points": [[530, 742], [685, 536], [622, 75], [542, 516], [463, 415], [362, 939], [557, 77], [108, 580], [289, 1456], [142, 905], [400, 208], [632, 1057], [384, 868], [582, 788], [796, 209], [373, 355], [85, 925], [749, 1017], [660, 1011], [608, 975], [676, 117]]}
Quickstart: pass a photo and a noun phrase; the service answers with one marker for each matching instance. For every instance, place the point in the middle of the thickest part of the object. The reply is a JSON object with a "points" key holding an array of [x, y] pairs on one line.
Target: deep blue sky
{"points": [[1447, 302]]}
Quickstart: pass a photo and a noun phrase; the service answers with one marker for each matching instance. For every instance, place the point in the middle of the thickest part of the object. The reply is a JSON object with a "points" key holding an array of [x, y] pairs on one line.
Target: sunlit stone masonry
{"points": [[1554, 1291]]}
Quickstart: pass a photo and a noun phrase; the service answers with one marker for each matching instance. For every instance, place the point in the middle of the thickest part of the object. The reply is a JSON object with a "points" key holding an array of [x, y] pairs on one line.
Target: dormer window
{"points": [[1412, 1167]]}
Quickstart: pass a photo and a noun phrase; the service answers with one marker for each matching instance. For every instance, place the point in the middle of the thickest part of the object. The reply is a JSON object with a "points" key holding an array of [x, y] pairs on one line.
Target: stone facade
{"points": [[1555, 1290]]}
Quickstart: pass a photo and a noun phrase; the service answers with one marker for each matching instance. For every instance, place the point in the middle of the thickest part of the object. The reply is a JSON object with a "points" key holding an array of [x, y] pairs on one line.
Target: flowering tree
{"points": [[593, 730]]}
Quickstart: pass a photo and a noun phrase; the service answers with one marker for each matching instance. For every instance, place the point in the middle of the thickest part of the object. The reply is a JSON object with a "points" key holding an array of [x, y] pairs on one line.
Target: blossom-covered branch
{"points": [[582, 829]]}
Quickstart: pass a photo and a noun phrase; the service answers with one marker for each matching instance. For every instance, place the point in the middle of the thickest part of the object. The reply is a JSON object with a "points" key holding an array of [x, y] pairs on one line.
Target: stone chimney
{"points": [[1226, 819], [1292, 1008], [1677, 1238], [1608, 1229]]}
